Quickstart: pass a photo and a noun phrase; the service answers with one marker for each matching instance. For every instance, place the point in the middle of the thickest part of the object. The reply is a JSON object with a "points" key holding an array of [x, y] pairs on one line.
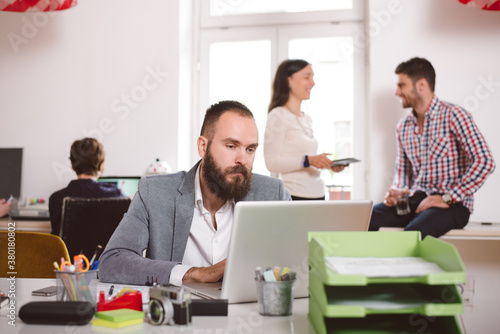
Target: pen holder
{"points": [[275, 298], [78, 285]]}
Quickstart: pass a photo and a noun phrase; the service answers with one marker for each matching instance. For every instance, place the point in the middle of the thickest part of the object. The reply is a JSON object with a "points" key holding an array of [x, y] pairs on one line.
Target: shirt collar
{"points": [[433, 107], [198, 198]]}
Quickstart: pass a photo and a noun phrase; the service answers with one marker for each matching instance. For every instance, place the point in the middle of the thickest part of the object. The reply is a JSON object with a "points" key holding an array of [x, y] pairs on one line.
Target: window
{"points": [[239, 63], [238, 7]]}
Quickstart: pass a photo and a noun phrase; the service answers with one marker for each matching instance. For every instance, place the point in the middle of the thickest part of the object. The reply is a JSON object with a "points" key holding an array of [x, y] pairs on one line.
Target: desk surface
{"points": [[42, 226], [472, 230], [242, 318]]}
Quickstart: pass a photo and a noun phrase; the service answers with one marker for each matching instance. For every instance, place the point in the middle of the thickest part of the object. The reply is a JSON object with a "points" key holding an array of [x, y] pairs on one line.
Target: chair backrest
{"points": [[88, 222], [32, 253]]}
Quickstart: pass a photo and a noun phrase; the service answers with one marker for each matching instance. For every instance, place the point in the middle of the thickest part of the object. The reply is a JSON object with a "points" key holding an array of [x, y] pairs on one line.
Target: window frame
{"points": [[344, 15]]}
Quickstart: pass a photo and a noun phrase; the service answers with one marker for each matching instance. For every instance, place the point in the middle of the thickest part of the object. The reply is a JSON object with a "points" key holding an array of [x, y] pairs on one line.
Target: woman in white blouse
{"points": [[290, 149]]}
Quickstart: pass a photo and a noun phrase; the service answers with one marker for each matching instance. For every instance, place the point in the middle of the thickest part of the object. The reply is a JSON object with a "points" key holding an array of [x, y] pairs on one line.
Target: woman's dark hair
{"points": [[87, 156], [281, 89]]}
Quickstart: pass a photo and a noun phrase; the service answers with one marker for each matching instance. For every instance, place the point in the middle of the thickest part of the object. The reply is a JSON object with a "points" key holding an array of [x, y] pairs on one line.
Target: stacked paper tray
{"points": [[384, 244], [356, 303], [359, 301], [382, 323]]}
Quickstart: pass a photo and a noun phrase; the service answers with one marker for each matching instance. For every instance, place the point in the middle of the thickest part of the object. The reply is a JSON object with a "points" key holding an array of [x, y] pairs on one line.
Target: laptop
{"points": [[127, 184], [39, 211], [275, 233]]}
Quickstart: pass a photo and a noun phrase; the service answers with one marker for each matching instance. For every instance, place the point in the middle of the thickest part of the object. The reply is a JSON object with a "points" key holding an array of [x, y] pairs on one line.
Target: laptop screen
{"points": [[127, 184], [11, 161]]}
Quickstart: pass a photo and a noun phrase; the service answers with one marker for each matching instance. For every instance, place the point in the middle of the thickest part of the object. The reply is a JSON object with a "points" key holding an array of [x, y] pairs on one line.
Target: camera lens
{"points": [[161, 311], [156, 313]]}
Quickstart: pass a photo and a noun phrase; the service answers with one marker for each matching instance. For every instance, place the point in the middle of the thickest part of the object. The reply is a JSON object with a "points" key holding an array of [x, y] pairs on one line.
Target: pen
{"points": [[97, 252]]}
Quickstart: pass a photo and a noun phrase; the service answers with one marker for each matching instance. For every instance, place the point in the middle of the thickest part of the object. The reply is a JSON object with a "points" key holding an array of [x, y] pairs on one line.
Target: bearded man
{"points": [[184, 220]]}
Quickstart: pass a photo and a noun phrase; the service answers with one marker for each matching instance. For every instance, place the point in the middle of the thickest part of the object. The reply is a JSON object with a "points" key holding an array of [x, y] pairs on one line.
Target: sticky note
{"points": [[269, 276], [123, 314], [113, 324]]}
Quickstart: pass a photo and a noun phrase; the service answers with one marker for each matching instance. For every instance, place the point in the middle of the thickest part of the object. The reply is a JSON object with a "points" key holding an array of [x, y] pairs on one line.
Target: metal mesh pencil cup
{"points": [[275, 298], [77, 286]]}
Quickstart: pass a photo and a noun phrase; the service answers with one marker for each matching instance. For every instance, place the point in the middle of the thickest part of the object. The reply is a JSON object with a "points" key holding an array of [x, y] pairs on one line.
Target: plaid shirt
{"points": [[450, 156]]}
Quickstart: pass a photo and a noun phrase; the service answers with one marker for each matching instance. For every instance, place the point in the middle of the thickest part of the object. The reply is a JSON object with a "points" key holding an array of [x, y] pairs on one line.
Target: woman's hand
{"points": [[320, 161], [339, 168]]}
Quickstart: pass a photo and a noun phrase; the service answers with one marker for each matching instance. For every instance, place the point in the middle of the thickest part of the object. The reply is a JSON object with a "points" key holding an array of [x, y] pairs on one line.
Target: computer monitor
{"points": [[11, 162], [127, 184]]}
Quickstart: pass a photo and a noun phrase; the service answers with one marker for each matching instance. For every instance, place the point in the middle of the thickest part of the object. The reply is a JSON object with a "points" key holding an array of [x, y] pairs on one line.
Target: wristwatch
{"points": [[447, 199], [306, 162]]}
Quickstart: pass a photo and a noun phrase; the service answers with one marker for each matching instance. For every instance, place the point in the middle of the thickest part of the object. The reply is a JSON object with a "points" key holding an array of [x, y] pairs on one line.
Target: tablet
{"points": [[345, 161]]}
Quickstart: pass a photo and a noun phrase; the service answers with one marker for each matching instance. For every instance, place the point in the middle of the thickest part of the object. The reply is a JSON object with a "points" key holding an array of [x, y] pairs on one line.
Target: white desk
{"points": [[242, 318], [472, 230], [42, 226]]}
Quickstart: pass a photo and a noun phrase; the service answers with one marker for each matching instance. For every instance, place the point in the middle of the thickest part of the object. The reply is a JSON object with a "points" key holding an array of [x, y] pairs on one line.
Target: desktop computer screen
{"points": [[127, 184], [11, 162]]}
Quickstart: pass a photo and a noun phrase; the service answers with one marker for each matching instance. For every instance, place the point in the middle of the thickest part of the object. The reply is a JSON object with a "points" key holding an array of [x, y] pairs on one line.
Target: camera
{"points": [[169, 305]]}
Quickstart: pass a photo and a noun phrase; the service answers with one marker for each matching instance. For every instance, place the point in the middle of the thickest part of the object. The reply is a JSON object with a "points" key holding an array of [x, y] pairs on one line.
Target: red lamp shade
{"points": [[482, 4], [35, 5]]}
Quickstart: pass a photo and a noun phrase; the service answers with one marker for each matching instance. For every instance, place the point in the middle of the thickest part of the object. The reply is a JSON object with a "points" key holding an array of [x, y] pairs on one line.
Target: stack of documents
{"points": [[408, 266]]}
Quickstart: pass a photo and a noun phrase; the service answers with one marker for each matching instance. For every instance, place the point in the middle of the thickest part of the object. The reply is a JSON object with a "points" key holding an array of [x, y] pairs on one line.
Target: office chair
{"points": [[33, 254], [88, 222]]}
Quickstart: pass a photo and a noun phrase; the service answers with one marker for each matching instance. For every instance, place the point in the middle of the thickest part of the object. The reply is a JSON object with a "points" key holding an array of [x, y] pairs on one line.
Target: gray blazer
{"points": [[159, 219]]}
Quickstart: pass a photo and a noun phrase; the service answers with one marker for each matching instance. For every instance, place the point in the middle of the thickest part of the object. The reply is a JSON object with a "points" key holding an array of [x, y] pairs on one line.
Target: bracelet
{"points": [[306, 162]]}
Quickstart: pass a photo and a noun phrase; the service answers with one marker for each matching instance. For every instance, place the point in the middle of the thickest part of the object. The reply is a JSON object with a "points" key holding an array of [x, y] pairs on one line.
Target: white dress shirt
{"points": [[206, 245]]}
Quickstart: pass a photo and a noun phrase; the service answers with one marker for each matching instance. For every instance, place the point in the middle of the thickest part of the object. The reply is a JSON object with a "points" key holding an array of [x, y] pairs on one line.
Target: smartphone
{"points": [[4, 300], [47, 292]]}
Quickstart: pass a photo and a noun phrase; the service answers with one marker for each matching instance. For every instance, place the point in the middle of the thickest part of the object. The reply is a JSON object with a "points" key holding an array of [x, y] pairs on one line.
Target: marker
{"points": [[285, 270], [258, 274], [276, 271], [95, 265]]}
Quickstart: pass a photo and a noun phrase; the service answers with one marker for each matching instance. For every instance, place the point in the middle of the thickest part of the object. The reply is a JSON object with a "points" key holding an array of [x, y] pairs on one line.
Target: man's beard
{"points": [[412, 99], [217, 183]]}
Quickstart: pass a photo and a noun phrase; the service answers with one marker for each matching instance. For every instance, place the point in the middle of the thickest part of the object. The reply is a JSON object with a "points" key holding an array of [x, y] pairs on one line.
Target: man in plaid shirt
{"points": [[442, 158]]}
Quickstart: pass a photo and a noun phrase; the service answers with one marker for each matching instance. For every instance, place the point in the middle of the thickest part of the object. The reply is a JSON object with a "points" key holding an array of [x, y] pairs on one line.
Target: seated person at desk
{"points": [[87, 160], [442, 158], [4, 207], [185, 219]]}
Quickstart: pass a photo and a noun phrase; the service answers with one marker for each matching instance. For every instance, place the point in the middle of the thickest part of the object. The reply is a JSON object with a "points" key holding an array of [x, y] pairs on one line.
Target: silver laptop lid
{"points": [[275, 233]]}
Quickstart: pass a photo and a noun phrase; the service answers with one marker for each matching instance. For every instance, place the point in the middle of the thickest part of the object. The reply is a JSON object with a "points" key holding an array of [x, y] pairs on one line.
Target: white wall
{"points": [[463, 44], [59, 83], [65, 76]]}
